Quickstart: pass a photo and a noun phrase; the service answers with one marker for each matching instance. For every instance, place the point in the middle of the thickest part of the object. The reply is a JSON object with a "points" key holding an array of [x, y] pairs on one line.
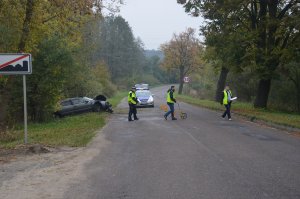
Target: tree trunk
{"points": [[263, 91], [266, 45], [180, 87], [298, 100], [181, 76], [3, 106], [296, 82], [221, 84], [26, 25]]}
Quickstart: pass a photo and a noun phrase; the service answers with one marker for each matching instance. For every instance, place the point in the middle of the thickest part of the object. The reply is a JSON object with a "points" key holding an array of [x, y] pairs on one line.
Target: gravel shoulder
{"points": [[45, 175]]}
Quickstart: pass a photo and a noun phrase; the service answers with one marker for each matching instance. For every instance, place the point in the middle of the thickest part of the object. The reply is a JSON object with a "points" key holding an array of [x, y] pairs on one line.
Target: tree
{"points": [[223, 52], [183, 53], [291, 69], [270, 19], [120, 50], [53, 32], [270, 27], [53, 62]]}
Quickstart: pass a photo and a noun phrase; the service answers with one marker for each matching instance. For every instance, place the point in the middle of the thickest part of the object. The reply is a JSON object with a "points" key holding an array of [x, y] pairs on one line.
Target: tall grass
{"points": [[247, 109], [73, 131]]}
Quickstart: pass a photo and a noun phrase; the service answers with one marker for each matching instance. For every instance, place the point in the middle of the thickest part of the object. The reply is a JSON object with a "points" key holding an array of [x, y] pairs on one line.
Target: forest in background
{"points": [[253, 46], [76, 52]]}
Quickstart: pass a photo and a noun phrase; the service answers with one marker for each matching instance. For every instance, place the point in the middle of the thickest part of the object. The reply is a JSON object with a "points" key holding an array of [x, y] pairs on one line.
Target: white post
{"points": [[25, 109]]}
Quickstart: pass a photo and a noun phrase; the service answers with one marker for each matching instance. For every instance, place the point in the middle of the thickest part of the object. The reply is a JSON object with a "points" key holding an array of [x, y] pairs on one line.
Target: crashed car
{"points": [[104, 105], [83, 104]]}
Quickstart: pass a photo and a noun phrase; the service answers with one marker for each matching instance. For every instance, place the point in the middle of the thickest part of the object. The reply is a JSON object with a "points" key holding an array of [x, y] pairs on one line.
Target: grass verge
{"points": [[115, 100], [73, 131], [247, 110]]}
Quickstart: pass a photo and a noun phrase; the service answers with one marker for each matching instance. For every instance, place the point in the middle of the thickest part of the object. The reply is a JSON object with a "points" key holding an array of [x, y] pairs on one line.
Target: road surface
{"points": [[202, 157]]}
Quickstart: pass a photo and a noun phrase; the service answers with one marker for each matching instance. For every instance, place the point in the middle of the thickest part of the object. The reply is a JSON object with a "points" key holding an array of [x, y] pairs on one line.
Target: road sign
{"points": [[15, 64], [18, 64], [186, 79]]}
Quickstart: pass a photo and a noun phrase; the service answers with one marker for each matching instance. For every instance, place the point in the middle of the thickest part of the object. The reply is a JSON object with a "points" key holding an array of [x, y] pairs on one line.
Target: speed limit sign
{"points": [[186, 79]]}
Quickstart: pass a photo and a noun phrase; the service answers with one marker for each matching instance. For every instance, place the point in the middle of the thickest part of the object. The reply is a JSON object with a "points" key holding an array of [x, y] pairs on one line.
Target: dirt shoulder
{"points": [[46, 175]]}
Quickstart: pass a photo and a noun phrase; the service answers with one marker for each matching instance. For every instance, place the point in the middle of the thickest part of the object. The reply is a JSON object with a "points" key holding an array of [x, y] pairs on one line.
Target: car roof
{"points": [[143, 90]]}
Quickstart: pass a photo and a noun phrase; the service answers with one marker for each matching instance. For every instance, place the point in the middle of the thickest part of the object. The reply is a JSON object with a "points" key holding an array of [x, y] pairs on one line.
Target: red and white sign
{"points": [[15, 64], [186, 79]]}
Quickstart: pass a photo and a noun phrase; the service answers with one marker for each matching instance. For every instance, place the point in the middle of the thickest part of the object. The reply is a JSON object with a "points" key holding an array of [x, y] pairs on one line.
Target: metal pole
{"points": [[25, 109]]}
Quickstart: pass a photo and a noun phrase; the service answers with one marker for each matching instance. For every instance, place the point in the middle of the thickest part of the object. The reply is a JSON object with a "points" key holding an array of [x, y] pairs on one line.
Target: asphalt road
{"points": [[202, 157]]}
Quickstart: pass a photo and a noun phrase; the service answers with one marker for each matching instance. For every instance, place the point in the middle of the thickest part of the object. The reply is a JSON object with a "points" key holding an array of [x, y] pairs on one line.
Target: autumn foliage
{"points": [[183, 53]]}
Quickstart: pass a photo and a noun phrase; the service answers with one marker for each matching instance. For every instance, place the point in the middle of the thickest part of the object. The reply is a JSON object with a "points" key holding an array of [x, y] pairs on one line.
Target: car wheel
{"points": [[97, 108], [58, 115]]}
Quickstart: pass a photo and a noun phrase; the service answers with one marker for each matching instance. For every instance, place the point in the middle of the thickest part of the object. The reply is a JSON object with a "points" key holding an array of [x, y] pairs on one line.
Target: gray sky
{"points": [[155, 21]]}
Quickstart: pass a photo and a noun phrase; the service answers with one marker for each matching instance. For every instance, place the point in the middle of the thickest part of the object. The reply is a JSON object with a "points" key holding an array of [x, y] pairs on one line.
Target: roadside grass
{"points": [[73, 131], [247, 110], [115, 100]]}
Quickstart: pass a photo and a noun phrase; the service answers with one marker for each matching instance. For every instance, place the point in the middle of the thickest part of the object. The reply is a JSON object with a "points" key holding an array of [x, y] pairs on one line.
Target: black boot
{"points": [[135, 117], [129, 117], [173, 117]]}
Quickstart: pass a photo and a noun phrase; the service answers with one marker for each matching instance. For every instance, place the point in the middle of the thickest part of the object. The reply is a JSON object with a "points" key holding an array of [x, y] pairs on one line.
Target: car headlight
{"points": [[150, 100]]}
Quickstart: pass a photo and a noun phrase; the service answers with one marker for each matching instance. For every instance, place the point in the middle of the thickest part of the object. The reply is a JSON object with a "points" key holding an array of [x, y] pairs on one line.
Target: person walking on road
{"points": [[170, 101], [226, 101], [132, 101]]}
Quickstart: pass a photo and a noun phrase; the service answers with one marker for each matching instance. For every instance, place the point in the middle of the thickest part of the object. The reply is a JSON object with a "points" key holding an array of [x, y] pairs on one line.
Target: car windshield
{"points": [[143, 94], [142, 86]]}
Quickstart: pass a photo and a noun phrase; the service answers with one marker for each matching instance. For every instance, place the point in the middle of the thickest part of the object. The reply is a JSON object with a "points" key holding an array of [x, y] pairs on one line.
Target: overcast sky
{"points": [[155, 21]]}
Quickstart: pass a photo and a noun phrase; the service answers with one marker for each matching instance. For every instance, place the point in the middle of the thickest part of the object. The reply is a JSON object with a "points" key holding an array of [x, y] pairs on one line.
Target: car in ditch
{"points": [[145, 98], [78, 105]]}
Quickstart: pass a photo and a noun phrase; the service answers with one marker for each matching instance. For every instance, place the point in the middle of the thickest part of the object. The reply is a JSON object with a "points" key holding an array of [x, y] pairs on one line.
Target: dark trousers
{"points": [[171, 111], [227, 111], [132, 110]]}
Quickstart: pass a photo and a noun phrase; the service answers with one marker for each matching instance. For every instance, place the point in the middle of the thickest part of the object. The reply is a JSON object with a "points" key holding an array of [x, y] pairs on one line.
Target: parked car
{"points": [[142, 86], [145, 98], [83, 104]]}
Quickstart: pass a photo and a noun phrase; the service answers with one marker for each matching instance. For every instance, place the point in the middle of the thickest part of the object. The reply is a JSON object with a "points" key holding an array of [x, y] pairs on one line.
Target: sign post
{"points": [[18, 64], [25, 109]]}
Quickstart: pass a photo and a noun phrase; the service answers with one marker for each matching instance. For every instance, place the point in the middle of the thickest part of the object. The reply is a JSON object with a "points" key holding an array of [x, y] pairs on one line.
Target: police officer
{"points": [[226, 101], [132, 101], [170, 101]]}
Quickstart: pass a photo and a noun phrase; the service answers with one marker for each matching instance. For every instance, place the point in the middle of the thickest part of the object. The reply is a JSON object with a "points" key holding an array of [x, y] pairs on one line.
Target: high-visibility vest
{"points": [[169, 100], [225, 99], [131, 99]]}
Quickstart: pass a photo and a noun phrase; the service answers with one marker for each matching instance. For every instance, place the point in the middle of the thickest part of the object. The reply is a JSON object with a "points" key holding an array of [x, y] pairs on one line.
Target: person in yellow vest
{"points": [[170, 101], [226, 101], [132, 101]]}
